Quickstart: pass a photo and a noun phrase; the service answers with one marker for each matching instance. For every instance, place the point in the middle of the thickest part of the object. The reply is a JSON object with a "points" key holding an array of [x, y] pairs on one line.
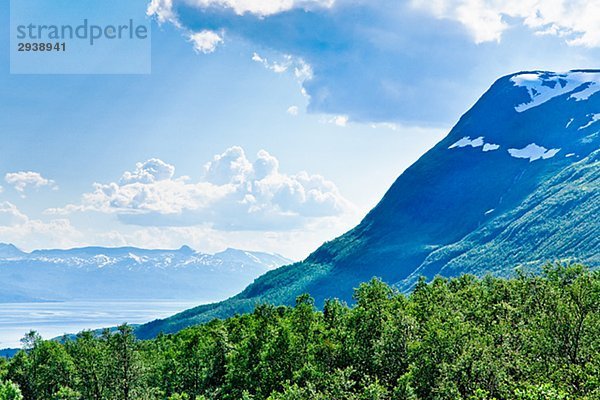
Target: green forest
{"points": [[531, 337]]}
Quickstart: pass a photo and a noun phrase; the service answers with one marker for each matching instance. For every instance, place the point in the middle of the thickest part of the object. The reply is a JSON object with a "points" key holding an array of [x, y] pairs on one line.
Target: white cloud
{"points": [[277, 67], [24, 179], [231, 166], [163, 11], [172, 196], [30, 234], [10, 214], [235, 194], [487, 20], [293, 110], [16, 227], [164, 8], [339, 120], [205, 41], [150, 171], [302, 70]]}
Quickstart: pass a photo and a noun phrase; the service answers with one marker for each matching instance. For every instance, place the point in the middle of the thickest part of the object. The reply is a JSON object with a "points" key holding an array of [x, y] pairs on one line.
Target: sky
{"points": [[268, 125]]}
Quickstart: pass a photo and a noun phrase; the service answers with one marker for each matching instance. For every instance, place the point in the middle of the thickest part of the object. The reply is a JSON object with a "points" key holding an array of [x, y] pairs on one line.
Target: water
{"points": [[55, 319]]}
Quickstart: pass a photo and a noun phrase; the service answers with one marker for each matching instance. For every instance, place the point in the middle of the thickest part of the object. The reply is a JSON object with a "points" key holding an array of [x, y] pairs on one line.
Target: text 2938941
{"points": [[39, 47]]}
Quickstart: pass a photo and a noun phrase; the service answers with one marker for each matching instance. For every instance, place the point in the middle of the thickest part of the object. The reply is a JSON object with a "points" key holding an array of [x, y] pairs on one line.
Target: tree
{"points": [[90, 357], [125, 368], [66, 393], [10, 391], [42, 368], [368, 322]]}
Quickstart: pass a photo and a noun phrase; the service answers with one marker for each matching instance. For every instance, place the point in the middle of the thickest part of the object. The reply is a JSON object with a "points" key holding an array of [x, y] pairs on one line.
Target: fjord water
{"points": [[52, 319], [65, 291]]}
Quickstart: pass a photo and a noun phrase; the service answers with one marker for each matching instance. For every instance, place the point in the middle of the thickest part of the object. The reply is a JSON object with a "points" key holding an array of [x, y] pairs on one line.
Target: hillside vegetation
{"points": [[525, 338]]}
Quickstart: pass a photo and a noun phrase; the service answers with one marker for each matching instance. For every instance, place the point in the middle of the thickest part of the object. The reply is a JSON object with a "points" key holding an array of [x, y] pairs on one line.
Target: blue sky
{"points": [[267, 125]]}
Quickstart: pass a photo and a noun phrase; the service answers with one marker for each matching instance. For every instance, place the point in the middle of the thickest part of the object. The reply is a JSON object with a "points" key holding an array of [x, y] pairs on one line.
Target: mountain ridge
{"points": [[126, 273]]}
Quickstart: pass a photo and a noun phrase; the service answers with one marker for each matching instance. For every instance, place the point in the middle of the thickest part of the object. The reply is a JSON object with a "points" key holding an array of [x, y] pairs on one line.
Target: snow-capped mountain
{"points": [[515, 183], [128, 273]]}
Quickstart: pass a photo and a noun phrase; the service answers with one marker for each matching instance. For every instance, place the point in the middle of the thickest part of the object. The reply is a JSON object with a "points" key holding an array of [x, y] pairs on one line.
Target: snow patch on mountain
{"points": [[467, 141], [570, 122], [533, 152], [490, 147], [593, 119], [102, 260], [544, 86], [137, 259], [585, 94], [475, 143]]}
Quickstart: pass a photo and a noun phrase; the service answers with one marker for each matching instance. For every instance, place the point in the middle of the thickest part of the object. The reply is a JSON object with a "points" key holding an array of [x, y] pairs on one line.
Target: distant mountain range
{"points": [[128, 273], [515, 183]]}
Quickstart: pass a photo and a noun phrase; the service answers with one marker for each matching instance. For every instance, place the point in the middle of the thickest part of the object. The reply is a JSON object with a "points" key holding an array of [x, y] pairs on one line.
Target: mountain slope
{"points": [[559, 221], [128, 273], [10, 251], [513, 183]]}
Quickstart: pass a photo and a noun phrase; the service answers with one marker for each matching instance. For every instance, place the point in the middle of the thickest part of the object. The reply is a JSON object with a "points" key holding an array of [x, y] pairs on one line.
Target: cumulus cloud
{"points": [[24, 179], [293, 110], [231, 166], [487, 20], [234, 194], [340, 120], [10, 214], [16, 227], [151, 171], [205, 41], [164, 8]]}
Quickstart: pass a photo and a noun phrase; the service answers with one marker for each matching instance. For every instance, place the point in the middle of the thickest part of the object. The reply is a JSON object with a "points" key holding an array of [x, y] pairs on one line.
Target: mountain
{"points": [[8, 353], [515, 183], [9, 251], [128, 273]]}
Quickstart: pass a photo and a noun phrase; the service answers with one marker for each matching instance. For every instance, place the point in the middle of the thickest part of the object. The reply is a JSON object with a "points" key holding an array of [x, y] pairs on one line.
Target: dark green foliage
{"points": [[526, 338]]}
